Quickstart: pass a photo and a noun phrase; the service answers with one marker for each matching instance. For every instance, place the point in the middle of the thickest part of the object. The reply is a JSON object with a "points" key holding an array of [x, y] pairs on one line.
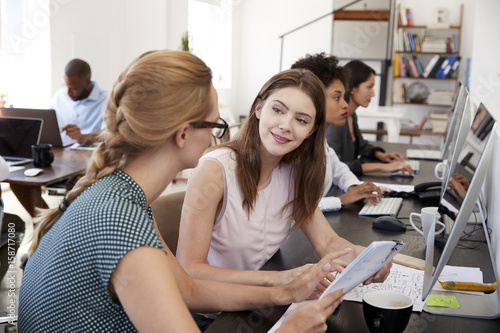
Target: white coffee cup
{"points": [[429, 217]]}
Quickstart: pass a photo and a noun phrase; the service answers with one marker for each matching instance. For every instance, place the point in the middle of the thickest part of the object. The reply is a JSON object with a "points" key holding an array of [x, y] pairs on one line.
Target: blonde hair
{"points": [[157, 93]]}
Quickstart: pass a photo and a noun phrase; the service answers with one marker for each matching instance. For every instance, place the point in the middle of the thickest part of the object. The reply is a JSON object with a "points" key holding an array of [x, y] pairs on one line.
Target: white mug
{"points": [[429, 217], [440, 169]]}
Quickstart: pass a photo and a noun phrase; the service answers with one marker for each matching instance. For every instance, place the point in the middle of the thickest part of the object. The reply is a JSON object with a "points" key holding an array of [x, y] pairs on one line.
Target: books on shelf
{"points": [[437, 97], [407, 41], [440, 43], [439, 121], [450, 63], [434, 44], [441, 66], [453, 71], [430, 65], [396, 64], [399, 92], [402, 17], [444, 98], [408, 124], [423, 52], [420, 68]]}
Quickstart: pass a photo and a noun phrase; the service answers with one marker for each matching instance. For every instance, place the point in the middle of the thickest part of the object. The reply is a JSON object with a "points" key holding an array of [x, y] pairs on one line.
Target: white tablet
{"points": [[365, 265]]}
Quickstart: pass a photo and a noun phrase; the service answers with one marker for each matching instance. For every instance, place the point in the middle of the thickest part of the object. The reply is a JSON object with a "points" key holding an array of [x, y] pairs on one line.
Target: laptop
{"points": [[51, 132], [16, 137]]}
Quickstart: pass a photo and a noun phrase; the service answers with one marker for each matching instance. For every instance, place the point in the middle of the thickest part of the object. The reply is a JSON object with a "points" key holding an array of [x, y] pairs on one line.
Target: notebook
{"points": [[16, 137], [51, 132]]}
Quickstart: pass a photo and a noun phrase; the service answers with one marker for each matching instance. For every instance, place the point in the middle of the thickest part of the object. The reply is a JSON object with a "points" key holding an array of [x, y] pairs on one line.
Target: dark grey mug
{"points": [[386, 311], [42, 155]]}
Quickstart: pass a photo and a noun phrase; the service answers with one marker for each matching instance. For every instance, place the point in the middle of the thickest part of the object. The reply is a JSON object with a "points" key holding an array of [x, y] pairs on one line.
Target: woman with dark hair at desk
{"points": [[99, 265], [347, 140], [335, 79]]}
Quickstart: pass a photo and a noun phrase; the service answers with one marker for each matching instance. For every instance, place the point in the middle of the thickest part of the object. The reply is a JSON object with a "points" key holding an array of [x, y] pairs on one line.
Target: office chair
{"points": [[167, 212]]}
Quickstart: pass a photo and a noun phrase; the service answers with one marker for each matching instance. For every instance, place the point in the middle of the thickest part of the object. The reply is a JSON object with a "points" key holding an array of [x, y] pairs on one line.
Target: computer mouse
{"points": [[32, 172], [389, 223]]}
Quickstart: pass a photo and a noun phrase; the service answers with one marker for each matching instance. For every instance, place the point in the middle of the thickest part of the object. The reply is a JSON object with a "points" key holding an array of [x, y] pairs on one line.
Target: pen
{"points": [[469, 286]]}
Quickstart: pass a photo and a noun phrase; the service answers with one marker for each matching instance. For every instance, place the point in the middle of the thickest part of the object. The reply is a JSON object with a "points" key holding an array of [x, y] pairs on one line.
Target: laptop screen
{"points": [[17, 135], [51, 132]]}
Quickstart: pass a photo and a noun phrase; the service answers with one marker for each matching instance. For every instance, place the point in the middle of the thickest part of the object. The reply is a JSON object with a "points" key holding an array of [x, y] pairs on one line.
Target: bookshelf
{"points": [[425, 57]]}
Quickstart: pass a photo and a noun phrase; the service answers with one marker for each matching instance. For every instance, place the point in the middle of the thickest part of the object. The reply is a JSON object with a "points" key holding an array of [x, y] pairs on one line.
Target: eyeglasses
{"points": [[219, 128]]}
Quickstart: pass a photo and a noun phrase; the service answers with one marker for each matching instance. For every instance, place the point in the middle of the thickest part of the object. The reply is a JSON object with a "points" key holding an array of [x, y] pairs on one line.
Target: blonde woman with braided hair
{"points": [[97, 263]]}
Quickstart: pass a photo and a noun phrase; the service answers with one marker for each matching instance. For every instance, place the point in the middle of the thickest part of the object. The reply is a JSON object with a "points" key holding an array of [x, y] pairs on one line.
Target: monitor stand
{"points": [[485, 306]]}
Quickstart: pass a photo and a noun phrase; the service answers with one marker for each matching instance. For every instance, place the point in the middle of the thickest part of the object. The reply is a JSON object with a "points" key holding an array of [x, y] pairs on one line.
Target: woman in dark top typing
{"points": [[347, 140]]}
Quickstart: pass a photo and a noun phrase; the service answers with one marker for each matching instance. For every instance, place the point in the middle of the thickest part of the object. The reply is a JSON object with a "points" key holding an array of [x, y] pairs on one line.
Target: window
{"points": [[209, 30], [25, 52]]}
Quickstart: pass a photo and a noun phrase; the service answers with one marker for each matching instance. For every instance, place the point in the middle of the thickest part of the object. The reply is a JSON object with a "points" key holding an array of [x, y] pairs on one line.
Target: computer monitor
{"points": [[457, 134], [455, 120], [456, 115], [456, 207]]}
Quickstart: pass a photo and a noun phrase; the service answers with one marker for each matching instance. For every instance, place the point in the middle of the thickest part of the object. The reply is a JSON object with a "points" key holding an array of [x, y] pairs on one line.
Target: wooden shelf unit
{"points": [[362, 15], [429, 80]]}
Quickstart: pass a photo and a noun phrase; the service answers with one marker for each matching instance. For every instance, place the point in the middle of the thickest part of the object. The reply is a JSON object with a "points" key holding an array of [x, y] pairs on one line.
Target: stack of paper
{"points": [[441, 98]]}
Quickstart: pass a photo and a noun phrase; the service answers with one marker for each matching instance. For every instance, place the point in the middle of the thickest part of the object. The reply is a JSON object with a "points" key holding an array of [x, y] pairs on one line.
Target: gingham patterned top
{"points": [[65, 283]]}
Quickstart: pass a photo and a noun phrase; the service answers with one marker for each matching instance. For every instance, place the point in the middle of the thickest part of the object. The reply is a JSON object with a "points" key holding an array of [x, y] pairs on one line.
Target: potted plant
{"points": [[185, 42]]}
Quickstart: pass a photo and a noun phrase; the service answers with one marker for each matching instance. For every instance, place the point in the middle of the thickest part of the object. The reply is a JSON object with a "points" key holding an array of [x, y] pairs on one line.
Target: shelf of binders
{"points": [[440, 66], [413, 52]]}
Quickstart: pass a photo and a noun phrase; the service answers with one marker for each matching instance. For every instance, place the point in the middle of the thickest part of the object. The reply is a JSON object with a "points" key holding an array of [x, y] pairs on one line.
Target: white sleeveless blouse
{"points": [[239, 242]]}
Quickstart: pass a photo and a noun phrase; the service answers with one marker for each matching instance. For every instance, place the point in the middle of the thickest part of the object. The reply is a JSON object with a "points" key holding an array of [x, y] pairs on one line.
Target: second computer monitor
{"points": [[461, 193], [458, 129]]}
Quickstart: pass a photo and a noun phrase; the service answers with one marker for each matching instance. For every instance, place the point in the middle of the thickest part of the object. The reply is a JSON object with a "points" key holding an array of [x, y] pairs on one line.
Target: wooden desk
{"points": [[348, 317], [403, 132], [28, 190]]}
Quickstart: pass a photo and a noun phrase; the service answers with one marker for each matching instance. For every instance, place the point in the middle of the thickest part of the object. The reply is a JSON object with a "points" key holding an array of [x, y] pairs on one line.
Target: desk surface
{"points": [[28, 190], [67, 162], [382, 112], [297, 250]]}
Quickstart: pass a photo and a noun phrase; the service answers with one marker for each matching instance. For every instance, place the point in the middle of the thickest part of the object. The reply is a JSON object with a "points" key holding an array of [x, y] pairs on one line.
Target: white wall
{"points": [[110, 34], [110, 37], [485, 87], [26, 60], [260, 23], [485, 52]]}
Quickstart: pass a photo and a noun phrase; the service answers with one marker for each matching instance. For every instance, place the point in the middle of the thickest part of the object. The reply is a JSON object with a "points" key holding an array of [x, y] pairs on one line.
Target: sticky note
{"points": [[442, 301]]}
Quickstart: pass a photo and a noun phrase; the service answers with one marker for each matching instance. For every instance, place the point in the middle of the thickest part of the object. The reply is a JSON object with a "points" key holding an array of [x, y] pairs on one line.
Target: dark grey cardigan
{"points": [[349, 152]]}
